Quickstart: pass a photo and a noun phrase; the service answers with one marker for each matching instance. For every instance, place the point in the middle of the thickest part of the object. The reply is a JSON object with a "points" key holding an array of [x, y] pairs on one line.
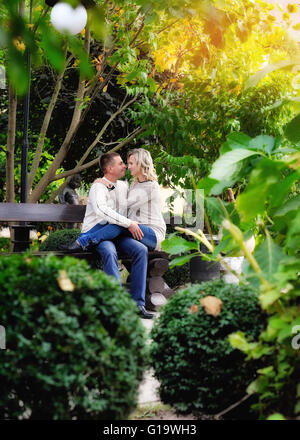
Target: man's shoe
{"points": [[144, 314], [73, 247]]}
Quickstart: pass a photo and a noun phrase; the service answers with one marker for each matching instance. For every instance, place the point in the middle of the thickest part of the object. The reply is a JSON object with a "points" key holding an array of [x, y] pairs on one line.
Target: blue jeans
{"points": [[109, 231], [139, 255]]}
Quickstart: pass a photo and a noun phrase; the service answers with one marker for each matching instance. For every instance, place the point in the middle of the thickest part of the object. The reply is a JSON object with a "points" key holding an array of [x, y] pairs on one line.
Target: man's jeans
{"points": [[139, 255], [136, 249], [109, 231]]}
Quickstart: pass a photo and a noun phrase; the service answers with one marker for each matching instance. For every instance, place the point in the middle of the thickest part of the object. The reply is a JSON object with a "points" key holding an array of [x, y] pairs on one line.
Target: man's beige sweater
{"points": [[104, 206]]}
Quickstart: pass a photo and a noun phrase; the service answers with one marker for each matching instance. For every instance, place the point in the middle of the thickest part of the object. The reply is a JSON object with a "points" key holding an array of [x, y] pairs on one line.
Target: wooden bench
{"points": [[27, 213]]}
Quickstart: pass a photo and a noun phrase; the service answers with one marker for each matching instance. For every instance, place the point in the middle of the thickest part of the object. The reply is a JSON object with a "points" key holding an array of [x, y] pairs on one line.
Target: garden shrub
{"points": [[57, 238], [4, 244], [75, 346], [194, 362]]}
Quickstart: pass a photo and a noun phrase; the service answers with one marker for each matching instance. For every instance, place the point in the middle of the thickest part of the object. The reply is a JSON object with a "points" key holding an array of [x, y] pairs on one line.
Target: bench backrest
{"points": [[48, 212], [41, 212]]}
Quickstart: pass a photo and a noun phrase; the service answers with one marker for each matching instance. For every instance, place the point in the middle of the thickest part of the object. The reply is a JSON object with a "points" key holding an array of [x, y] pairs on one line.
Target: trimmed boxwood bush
{"points": [[75, 346], [196, 366], [55, 239]]}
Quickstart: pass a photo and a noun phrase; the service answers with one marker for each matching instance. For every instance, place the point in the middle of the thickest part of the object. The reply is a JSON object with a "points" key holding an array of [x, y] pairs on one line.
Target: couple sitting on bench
{"points": [[124, 219]]}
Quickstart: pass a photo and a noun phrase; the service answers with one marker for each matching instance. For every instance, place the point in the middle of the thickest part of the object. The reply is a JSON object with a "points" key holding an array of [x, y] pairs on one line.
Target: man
{"points": [[108, 205]]}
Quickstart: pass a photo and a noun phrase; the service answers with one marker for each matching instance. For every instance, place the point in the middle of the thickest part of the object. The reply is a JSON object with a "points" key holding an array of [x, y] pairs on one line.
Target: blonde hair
{"points": [[144, 163]]}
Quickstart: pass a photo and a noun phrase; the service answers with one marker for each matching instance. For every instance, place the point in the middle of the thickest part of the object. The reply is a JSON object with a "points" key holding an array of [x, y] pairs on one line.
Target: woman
{"points": [[143, 204]]}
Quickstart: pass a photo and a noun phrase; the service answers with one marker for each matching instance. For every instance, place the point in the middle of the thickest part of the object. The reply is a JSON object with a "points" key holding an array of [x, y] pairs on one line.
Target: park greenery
{"points": [[267, 208], [74, 350], [197, 367], [181, 104], [211, 89]]}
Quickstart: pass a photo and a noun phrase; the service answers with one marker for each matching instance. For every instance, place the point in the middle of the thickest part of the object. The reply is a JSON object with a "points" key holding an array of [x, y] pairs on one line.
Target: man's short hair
{"points": [[107, 159]]}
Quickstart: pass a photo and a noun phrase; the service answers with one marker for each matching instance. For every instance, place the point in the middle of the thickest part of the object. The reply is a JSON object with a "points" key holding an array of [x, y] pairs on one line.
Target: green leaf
{"points": [[263, 143], [152, 85], [293, 235], [216, 213], [238, 340], [96, 21], [234, 141], [176, 245], [267, 371], [257, 77], [207, 184], [150, 18], [268, 256], [52, 44], [143, 76], [252, 201], [276, 416], [250, 275], [227, 165], [297, 407], [292, 130], [179, 261], [132, 75], [253, 388], [227, 169], [290, 206], [267, 299], [282, 189], [17, 72]]}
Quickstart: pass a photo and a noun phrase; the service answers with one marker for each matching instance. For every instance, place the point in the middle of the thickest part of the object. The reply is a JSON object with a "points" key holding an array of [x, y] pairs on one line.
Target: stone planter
{"points": [[201, 270]]}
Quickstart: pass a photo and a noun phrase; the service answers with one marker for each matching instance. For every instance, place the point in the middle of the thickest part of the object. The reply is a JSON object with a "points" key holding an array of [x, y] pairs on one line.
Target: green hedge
{"points": [[75, 346], [196, 366], [55, 239]]}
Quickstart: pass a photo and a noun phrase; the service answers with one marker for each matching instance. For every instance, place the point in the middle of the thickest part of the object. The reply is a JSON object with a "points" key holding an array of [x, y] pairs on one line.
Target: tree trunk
{"points": [[10, 150]]}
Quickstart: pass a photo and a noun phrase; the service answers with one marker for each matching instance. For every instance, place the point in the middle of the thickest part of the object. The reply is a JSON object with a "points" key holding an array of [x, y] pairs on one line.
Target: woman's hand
{"points": [[99, 180]]}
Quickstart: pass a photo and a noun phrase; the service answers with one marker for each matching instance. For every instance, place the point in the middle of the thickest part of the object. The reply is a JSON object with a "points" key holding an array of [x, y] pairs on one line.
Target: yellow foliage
{"points": [[19, 44], [292, 8], [64, 282]]}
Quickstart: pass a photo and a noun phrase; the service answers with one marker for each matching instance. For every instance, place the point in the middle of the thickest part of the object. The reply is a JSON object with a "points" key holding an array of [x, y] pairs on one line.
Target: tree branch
{"points": [[93, 162], [47, 178], [103, 129], [220, 414], [45, 125]]}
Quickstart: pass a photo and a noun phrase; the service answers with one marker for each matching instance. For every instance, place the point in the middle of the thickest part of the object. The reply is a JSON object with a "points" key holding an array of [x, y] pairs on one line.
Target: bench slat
{"points": [[38, 212]]}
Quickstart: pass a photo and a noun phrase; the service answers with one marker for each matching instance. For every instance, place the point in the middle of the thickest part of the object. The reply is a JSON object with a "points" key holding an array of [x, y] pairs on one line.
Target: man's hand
{"points": [[136, 230]]}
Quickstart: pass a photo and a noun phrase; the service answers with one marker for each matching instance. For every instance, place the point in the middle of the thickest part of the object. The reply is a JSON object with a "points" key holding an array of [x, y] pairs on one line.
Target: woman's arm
{"points": [[103, 181]]}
